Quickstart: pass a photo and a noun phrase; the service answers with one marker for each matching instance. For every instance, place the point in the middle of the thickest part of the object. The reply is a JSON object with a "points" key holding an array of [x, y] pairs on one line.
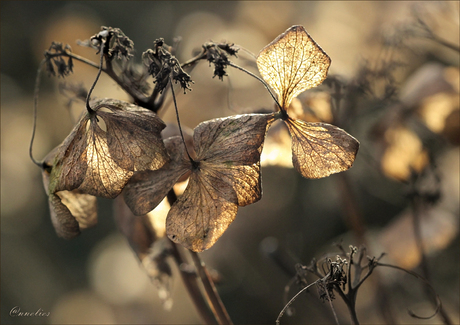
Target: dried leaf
{"points": [[105, 148], [64, 222], [146, 189], [293, 63], [71, 211], [202, 213], [320, 149], [224, 175], [82, 206]]}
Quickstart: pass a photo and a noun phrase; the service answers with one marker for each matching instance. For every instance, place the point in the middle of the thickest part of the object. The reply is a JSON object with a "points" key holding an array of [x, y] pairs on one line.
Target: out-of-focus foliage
{"points": [[393, 83]]}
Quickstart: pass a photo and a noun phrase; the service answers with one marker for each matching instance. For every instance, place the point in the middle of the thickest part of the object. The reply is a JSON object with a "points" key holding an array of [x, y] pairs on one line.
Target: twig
{"points": [[36, 90], [88, 97], [216, 303], [138, 98], [213, 312], [355, 222], [332, 307], [190, 282], [416, 203], [295, 297]]}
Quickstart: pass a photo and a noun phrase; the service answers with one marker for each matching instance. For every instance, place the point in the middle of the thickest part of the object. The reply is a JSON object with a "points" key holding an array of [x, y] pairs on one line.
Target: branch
{"points": [[190, 282], [139, 99], [216, 303]]}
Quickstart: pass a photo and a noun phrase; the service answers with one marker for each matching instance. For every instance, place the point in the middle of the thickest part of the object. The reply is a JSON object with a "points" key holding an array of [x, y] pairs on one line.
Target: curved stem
{"points": [[260, 79], [332, 307], [36, 90], [90, 110], [293, 299], [138, 98], [178, 121], [416, 223]]}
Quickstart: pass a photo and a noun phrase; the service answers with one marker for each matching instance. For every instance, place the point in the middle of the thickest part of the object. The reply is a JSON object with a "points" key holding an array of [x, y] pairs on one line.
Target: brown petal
{"points": [[229, 148], [133, 135], [232, 141], [321, 149], [244, 181], [293, 63], [71, 211], [82, 206], [146, 189], [64, 223], [104, 149], [200, 216], [69, 167]]}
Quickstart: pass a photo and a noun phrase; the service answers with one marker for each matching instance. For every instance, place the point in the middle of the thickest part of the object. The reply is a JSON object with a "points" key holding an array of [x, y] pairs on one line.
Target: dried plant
{"points": [[119, 147]]}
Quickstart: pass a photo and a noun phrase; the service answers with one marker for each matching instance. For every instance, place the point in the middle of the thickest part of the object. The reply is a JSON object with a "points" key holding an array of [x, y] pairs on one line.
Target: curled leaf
{"points": [[224, 175], [320, 149], [106, 147], [293, 63], [71, 211]]}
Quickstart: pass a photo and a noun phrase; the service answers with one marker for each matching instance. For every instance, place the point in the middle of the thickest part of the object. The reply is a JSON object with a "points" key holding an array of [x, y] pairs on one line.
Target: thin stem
{"points": [[76, 57], [258, 78], [248, 52], [352, 309], [194, 60], [332, 307], [416, 205], [90, 110], [190, 282], [424, 280], [418, 236], [178, 121], [137, 97], [353, 213], [294, 298], [356, 223], [36, 91], [216, 303]]}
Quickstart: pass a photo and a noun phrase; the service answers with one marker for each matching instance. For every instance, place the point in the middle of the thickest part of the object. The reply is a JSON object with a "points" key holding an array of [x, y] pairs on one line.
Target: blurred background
{"points": [[393, 84]]}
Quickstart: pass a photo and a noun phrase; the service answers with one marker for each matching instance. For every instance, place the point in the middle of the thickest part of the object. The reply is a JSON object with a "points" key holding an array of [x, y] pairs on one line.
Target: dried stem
{"points": [[138, 98], [259, 79], [294, 298], [36, 90], [416, 207], [88, 97], [190, 282], [214, 311], [216, 303], [355, 222]]}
